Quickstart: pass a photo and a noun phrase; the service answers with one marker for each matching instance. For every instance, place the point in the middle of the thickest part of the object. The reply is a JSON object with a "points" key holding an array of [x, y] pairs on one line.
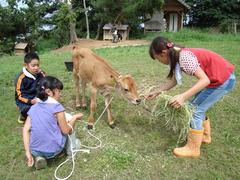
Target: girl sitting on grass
{"points": [[45, 133], [215, 78]]}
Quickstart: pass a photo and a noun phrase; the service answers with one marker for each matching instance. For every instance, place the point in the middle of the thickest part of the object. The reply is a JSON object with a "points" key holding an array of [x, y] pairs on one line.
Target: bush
{"points": [[228, 26], [53, 39], [7, 46], [193, 34], [45, 44]]}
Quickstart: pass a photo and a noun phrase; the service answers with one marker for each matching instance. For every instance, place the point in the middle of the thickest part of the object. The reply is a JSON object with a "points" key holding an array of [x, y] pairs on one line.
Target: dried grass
{"points": [[176, 120]]}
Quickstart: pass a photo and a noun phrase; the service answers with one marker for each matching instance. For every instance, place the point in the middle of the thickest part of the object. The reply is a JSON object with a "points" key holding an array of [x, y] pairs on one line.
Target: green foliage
{"points": [[26, 21], [230, 26], [125, 11], [7, 23], [46, 44], [210, 13], [6, 46], [196, 35], [60, 34], [10, 27]]}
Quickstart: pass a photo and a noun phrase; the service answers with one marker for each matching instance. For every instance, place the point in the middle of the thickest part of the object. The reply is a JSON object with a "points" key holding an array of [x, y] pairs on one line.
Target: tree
{"points": [[73, 35], [86, 14], [8, 23], [131, 12], [67, 21], [210, 13], [26, 22]]}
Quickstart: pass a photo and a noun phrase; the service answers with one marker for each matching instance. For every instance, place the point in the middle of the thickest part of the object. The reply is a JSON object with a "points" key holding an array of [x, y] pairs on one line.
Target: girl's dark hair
{"points": [[30, 56], [48, 82], [161, 43]]}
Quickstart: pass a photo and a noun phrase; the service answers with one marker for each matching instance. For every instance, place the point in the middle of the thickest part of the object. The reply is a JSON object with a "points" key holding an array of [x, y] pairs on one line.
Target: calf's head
{"points": [[127, 88]]}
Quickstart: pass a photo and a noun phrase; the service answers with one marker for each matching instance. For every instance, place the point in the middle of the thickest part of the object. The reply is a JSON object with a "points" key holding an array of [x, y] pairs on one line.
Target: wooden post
{"points": [[234, 27]]}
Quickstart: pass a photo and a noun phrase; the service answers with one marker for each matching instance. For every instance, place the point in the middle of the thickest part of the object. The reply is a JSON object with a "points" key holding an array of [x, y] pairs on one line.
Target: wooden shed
{"points": [[170, 17], [21, 49], [123, 29]]}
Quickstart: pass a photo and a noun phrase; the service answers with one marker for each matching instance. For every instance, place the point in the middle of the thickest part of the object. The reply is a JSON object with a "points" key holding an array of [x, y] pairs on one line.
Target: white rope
{"points": [[74, 152], [100, 142], [103, 111]]}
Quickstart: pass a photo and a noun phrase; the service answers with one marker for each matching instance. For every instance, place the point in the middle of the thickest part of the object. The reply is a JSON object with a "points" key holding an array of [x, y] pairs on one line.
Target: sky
{"points": [[4, 3]]}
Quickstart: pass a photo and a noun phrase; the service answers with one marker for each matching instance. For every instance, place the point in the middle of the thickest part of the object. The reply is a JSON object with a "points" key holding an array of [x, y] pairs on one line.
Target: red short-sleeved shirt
{"points": [[216, 67]]}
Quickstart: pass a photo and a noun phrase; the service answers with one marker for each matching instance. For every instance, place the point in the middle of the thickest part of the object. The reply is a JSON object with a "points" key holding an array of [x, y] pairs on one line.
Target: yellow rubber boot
{"points": [[207, 131], [192, 148]]}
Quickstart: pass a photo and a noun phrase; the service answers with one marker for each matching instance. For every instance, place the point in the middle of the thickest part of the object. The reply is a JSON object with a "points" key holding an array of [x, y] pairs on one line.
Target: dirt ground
{"points": [[94, 44]]}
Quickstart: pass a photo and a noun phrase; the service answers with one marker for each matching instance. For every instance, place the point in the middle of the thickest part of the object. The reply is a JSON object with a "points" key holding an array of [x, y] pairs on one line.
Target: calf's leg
{"points": [[76, 82], [84, 102], [92, 107], [108, 105]]}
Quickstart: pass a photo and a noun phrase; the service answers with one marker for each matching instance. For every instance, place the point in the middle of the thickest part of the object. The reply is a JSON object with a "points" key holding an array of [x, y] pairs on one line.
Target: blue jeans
{"points": [[48, 155], [204, 99]]}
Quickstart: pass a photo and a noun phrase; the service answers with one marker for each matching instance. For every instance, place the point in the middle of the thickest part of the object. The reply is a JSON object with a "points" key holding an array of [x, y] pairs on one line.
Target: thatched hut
{"points": [[170, 17]]}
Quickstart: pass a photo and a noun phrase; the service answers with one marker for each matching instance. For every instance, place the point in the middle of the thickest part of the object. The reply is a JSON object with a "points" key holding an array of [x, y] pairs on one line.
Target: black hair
{"points": [[30, 56], [48, 82], [161, 43]]}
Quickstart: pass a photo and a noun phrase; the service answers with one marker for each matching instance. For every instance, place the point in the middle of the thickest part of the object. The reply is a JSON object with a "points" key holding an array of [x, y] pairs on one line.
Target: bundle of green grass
{"points": [[174, 119]]}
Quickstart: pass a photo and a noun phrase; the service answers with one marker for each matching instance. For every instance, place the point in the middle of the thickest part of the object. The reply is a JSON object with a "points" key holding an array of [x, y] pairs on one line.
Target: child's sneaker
{"points": [[21, 119], [40, 162]]}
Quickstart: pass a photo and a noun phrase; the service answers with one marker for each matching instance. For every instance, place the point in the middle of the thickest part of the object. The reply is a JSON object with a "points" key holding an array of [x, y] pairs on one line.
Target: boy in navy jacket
{"points": [[26, 83]]}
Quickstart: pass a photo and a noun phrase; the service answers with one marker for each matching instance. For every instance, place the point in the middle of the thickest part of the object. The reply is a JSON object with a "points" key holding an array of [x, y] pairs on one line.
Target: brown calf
{"points": [[96, 71]]}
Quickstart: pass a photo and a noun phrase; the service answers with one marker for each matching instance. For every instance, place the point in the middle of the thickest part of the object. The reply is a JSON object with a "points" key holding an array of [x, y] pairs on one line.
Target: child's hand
{"points": [[34, 101], [177, 101], [30, 159], [151, 95], [78, 116]]}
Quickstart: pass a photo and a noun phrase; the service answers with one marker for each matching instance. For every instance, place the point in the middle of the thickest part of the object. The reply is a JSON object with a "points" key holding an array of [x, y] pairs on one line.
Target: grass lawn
{"points": [[139, 147]]}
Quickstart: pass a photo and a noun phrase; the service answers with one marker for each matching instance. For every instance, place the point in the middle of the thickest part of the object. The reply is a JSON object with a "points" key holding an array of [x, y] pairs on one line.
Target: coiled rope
{"points": [[74, 152]]}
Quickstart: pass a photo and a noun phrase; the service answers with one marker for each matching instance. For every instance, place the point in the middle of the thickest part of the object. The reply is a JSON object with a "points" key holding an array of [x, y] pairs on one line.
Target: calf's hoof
{"points": [[89, 127], [78, 108], [84, 107], [112, 126]]}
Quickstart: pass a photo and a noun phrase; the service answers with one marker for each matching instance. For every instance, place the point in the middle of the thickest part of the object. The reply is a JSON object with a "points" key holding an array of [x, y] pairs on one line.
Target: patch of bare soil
{"points": [[94, 44]]}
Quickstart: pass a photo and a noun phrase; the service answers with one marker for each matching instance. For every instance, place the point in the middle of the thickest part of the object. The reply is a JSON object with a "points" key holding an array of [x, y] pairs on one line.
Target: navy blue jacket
{"points": [[26, 85]]}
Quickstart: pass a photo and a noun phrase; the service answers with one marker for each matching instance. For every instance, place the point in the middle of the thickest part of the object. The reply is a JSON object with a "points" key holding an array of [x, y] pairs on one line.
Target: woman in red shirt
{"points": [[215, 78]]}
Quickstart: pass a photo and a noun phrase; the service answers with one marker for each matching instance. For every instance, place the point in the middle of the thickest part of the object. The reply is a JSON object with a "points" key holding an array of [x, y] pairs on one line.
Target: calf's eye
{"points": [[126, 90]]}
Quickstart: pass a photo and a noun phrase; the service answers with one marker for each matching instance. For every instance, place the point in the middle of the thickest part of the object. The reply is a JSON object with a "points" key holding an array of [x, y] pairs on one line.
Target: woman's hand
{"points": [[177, 101]]}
